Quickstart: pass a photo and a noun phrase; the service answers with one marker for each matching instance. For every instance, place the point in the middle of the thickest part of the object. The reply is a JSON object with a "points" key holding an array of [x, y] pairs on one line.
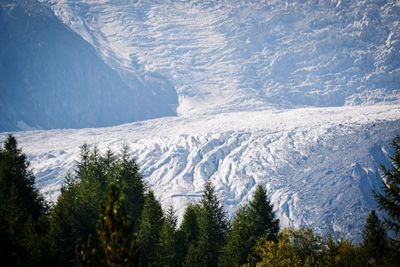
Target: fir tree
{"points": [[23, 220], [188, 232], [389, 199], [167, 252], [149, 231], [213, 230], [375, 240], [114, 232], [263, 220], [239, 242], [132, 184], [250, 223], [74, 215]]}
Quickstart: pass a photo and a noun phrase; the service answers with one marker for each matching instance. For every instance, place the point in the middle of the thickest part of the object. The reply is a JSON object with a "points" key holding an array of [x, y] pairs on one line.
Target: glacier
{"points": [[299, 96], [319, 164], [230, 55]]}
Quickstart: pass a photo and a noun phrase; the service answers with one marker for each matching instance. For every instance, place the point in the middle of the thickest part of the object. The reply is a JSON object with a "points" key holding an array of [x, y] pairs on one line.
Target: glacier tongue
{"points": [[319, 164]]}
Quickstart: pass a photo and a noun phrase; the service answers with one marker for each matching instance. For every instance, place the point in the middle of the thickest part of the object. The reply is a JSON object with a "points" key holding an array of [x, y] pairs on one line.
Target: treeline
{"points": [[107, 216]]}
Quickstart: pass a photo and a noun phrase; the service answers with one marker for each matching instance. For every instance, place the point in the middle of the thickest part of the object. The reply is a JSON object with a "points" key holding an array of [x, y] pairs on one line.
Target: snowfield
{"points": [[319, 164]]}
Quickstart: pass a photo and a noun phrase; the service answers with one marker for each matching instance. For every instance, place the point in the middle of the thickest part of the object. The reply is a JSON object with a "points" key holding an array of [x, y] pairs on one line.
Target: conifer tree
{"points": [[23, 211], [132, 184], [213, 230], [75, 214], [375, 240], [239, 243], [263, 220], [149, 230], [118, 243], [340, 253], [188, 232], [250, 223], [389, 199], [167, 252]]}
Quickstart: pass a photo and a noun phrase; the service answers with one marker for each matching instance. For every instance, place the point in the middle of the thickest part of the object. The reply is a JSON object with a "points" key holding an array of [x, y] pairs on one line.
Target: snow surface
{"points": [[242, 55], [299, 96], [319, 164]]}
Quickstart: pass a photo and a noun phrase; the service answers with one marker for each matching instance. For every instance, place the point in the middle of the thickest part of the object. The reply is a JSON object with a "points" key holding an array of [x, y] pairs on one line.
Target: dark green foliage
{"points": [[17, 179], [149, 230], [132, 184], [117, 243], [213, 230], [375, 242], [389, 199], [307, 245], [250, 223], [240, 240], [23, 220], [188, 232], [75, 214], [114, 231], [263, 221], [167, 246], [340, 253]]}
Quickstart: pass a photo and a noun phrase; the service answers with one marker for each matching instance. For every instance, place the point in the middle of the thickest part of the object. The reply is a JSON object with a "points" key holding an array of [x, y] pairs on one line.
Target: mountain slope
{"points": [[241, 55], [52, 78]]}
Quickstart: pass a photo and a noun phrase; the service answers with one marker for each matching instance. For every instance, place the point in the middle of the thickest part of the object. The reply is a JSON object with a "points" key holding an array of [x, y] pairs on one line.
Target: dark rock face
{"points": [[51, 78]]}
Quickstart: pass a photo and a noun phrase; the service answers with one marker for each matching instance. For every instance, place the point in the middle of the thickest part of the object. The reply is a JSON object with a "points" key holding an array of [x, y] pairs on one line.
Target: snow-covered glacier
{"points": [[299, 96], [229, 55]]}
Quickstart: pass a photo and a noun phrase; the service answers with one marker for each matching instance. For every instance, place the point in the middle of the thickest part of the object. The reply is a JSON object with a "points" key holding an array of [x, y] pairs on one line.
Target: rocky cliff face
{"points": [[52, 78]]}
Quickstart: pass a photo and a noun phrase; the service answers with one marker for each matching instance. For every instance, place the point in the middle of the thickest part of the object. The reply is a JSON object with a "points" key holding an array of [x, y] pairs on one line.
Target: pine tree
{"points": [[23, 220], [149, 230], [167, 252], [213, 230], [250, 223], [389, 200], [375, 240]]}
